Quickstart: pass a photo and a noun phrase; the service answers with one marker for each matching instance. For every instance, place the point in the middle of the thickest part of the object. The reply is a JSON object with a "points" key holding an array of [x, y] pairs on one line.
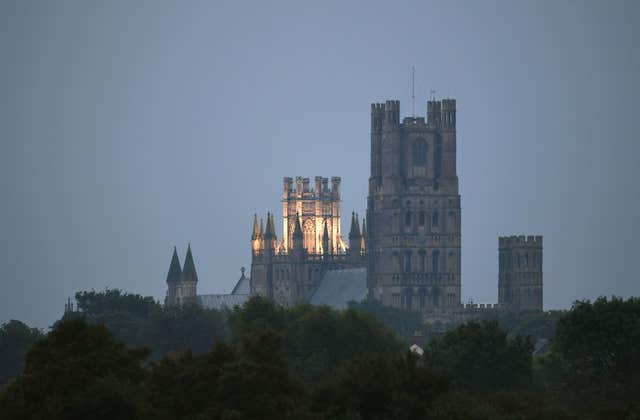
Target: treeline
{"points": [[536, 324], [263, 361]]}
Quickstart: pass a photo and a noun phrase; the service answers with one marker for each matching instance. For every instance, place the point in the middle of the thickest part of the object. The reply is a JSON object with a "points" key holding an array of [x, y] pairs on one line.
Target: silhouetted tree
{"points": [[316, 338], [250, 379], [403, 322], [380, 387], [15, 339], [140, 321], [600, 343], [479, 355], [77, 372]]}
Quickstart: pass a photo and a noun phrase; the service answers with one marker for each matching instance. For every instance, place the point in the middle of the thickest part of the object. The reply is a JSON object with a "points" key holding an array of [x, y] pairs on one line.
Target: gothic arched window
{"points": [[407, 262], [435, 220], [435, 256], [437, 158], [419, 152], [309, 233], [422, 257], [395, 262]]}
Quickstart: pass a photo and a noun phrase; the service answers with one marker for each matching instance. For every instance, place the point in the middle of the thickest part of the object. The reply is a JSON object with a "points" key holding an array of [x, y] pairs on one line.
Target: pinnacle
{"points": [[355, 226], [297, 230], [256, 232]]}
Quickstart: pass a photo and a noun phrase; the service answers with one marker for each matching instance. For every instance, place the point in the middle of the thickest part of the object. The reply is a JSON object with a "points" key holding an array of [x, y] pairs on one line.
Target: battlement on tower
{"points": [[302, 188], [518, 241], [440, 114], [409, 122]]}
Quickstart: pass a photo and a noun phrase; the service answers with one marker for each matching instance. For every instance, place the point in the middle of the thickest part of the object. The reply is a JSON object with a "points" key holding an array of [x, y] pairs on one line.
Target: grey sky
{"points": [[128, 127]]}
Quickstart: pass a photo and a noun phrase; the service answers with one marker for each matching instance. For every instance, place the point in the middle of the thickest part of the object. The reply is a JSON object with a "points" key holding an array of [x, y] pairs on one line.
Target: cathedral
{"points": [[405, 253]]}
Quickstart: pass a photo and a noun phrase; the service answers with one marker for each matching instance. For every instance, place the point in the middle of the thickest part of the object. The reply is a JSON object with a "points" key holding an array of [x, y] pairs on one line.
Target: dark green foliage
{"points": [[537, 324], [256, 315], [404, 323], [113, 301], [250, 379], [600, 344], [380, 387], [140, 321], [316, 339], [15, 339], [311, 362], [78, 371], [478, 355], [504, 405]]}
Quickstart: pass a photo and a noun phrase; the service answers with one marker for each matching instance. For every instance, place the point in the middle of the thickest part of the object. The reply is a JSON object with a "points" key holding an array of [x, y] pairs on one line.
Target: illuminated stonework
{"points": [[314, 207], [290, 270]]}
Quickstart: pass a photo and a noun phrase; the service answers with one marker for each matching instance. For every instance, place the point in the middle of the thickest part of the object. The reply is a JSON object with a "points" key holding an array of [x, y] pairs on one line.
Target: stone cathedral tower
{"points": [[520, 272], [413, 208]]}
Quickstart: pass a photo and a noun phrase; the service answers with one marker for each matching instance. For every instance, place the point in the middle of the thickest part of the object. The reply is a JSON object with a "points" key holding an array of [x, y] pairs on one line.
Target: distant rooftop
{"points": [[339, 287]]}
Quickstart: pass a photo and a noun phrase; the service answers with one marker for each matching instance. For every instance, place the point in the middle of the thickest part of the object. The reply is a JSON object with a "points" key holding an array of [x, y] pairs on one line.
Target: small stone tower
{"points": [[520, 272], [181, 283]]}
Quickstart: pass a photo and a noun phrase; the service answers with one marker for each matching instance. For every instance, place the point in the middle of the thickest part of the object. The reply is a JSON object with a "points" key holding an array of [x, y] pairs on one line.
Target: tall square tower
{"points": [[413, 208]]}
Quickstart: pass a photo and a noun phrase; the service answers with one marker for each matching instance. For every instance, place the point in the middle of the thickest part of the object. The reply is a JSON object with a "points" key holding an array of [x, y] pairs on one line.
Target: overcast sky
{"points": [[128, 127]]}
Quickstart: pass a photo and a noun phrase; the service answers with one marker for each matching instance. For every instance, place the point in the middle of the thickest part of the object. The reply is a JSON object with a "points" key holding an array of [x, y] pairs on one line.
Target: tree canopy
{"points": [[266, 361], [15, 339]]}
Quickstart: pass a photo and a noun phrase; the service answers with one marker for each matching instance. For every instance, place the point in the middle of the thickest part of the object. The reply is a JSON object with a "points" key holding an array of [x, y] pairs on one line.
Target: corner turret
{"points": [[391, 115]]}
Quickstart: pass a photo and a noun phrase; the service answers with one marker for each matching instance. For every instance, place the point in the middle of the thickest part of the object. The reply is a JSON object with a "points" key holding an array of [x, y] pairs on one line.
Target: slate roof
{"points": [[222, 301], [175, 272], [243, 286], [189, 269], [238, 296], [339, 287]]}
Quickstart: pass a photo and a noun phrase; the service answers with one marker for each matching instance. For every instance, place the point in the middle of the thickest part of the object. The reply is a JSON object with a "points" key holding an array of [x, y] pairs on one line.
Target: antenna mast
{"points": [[413, 91]]}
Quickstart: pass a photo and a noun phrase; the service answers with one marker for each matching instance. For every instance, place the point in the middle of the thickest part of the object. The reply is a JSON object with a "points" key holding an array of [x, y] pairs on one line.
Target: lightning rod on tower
{"points": [[413, 92]]}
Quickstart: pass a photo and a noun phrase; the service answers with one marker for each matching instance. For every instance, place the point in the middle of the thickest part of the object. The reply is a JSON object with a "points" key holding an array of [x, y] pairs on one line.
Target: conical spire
{"points": [[355, 227], [256, 232], [364, 227], [189, 270], [175, 272], [270, 233], [261, 234]]}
